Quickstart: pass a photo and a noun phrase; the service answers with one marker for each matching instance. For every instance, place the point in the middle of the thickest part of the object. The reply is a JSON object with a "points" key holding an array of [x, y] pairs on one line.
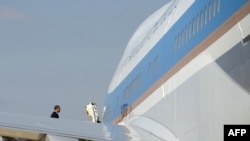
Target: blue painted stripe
{"points": [[167, 57]]}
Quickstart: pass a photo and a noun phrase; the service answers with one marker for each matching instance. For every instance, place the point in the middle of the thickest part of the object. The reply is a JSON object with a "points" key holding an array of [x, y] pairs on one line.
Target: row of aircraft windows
{"points": [[153, 66], [133, 85], [198, 22]]}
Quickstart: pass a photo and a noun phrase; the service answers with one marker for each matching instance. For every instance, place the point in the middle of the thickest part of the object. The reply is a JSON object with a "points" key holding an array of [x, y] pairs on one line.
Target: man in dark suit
{"points": [[57, 110]]}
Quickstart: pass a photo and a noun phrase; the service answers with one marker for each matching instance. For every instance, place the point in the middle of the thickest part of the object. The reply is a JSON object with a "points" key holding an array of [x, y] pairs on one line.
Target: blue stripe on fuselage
{"points": [[167, 57]]}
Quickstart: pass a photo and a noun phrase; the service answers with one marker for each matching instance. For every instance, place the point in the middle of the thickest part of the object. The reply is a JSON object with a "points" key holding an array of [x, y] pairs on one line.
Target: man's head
{"points": [[57, 108]]}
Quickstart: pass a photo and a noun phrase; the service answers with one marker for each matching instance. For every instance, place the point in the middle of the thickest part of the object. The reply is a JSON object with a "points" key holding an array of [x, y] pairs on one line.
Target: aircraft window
{"points": [[214, 7], [201, 19], [186, 33], [194, 26], [205, 15], [137, 81], [133, 86], [182, 37], [156, 64], [139, 78], [176, 44], [130, 88], [218, 6], [190, 30], [210, 11], [125, 93], [179, 41], [197, 22], [149, 68]]}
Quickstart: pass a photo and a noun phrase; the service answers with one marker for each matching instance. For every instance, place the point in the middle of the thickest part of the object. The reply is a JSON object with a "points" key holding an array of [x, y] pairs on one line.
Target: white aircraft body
{"points": [[183, 76]]}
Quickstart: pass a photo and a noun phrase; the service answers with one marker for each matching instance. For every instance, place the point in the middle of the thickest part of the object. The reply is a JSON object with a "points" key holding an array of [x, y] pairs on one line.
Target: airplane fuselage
{"points": [[189, 73]]}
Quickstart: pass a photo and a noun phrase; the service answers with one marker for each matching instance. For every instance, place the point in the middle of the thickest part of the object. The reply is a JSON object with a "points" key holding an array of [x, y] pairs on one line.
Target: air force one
{"points": [[184, 74]]}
